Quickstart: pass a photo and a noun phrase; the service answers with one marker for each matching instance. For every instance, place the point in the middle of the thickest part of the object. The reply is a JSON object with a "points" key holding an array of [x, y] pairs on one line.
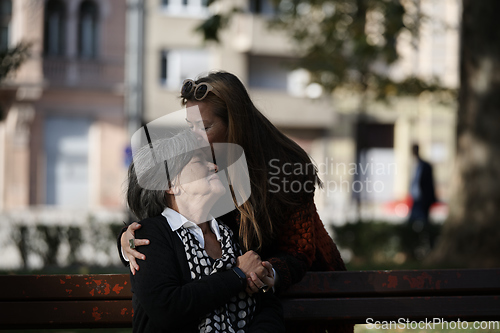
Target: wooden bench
{"points": [[98, 301]]}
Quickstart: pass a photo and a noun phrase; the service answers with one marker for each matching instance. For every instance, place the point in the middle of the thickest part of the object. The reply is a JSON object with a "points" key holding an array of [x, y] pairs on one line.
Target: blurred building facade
{"points": [[64, 132], [329, 129], [63, 135], [381, 134], [262, 59], [70, 93]]}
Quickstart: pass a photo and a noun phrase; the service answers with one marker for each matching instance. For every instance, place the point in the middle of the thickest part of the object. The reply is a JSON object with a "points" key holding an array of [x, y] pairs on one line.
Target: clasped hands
{"points": [[260, 274]]}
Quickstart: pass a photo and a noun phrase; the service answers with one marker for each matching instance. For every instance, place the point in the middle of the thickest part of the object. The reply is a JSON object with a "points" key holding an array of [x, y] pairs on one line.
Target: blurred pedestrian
{"points": [[423, 195]]}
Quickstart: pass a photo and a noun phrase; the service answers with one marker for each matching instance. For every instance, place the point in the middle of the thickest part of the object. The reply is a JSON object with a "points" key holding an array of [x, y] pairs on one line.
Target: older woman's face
{"points": [[209, 123], [199, 178]]}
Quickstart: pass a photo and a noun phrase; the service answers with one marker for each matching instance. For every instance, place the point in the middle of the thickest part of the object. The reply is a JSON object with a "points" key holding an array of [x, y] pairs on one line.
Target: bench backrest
{"points": [[64, 301]]}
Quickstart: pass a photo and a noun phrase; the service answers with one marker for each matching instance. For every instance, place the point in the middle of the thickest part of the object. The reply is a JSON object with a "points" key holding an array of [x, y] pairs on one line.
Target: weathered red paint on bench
{"points": [[64, 301]]}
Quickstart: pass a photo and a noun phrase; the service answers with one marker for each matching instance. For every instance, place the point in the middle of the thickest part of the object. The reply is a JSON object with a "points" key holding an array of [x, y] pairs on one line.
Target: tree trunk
{"points": [[471, 234]]}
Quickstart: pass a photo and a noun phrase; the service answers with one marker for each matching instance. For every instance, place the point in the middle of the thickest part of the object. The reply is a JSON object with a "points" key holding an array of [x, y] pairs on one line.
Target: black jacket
{"points": [[167, 300], [426, 184]]}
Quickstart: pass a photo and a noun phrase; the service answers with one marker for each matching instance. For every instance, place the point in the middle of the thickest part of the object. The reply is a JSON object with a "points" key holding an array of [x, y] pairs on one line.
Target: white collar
{"points": [[177, 220]]}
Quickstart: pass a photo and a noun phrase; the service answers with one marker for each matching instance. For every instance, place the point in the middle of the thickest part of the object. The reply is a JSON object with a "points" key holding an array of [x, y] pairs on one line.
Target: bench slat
{"points": [[62, 287], [84, 314], [314, 284], [358, 310], [409, 282], [98, 314]]}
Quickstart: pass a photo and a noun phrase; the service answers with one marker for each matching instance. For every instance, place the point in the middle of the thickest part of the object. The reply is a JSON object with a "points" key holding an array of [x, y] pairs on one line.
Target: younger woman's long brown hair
{"points": [[267, 207]]}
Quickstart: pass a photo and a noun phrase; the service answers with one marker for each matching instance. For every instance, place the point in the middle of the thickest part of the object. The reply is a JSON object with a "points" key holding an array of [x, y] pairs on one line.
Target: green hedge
{"points": [[382, 245], [58, 246]]}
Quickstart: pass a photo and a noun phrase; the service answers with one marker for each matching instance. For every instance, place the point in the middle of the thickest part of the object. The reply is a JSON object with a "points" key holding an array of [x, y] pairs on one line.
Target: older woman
{"points": [[195, 274]]}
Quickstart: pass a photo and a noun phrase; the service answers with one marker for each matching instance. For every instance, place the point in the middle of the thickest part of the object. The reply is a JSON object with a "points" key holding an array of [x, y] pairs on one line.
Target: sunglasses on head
{"points": [[200, 91]]}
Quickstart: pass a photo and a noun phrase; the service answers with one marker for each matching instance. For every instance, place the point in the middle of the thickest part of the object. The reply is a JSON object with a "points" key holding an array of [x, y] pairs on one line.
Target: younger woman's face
{"points": [[209, 126]]}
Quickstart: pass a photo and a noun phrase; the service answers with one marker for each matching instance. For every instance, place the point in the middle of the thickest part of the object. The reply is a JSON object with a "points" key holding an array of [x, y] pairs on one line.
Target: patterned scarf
{"points": [[235, 315]]}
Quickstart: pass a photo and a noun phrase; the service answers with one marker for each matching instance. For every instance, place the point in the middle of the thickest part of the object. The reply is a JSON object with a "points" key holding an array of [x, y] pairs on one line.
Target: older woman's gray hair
{"points": [[154, 168]]}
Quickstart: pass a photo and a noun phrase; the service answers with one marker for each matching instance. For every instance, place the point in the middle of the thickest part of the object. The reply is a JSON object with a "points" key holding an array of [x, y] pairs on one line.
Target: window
{"points": [[374, 179], [163, 67], [268, 72], [55, 26], [262, 7], [67, 153], [87, 29], [5, 17], [277, 73], [178, 65], [185, 7]]}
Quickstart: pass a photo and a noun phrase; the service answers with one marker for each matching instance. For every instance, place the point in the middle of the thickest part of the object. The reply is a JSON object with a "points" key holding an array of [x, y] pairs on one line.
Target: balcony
{"points": [[78, 73], [251, 34], [285, 110]]}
